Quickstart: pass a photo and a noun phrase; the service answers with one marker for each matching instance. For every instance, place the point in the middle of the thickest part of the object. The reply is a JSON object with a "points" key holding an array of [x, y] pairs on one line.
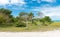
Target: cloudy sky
{"points": [[48, 7]]}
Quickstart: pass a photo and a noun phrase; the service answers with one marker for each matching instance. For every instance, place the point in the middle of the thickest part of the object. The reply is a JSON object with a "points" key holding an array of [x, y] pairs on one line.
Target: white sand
{"points": [[55, 33]]}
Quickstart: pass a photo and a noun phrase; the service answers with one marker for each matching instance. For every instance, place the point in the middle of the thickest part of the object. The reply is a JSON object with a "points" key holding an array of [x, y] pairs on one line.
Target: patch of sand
{"points": [[55, 33]]}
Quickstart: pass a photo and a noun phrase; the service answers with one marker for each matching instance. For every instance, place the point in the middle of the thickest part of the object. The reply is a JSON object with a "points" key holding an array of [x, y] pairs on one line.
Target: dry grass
{"points": [[32, 28]]}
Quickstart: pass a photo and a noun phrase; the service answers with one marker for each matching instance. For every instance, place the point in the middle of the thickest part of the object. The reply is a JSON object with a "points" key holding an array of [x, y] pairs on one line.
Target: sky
{"points": [[50, 8]]}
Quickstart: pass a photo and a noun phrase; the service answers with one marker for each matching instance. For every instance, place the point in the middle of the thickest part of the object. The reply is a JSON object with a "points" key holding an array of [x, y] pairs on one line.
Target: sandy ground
{"points": [[55, 33]]}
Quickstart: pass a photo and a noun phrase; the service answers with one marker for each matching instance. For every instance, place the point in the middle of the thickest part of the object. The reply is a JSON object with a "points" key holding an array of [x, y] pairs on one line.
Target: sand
{"points": [[55, 33]]}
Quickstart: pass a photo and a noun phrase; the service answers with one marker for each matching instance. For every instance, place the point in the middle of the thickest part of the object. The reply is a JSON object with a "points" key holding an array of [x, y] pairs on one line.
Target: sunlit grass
{"points": [[31, 28]]}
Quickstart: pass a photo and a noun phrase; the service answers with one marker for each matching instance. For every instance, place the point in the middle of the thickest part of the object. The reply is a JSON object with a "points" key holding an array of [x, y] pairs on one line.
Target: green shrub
{"points": [[21, 25]]}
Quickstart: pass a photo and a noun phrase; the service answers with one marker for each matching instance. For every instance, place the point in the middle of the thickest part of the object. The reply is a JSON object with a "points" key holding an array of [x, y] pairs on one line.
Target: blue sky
{"points": [[48, 7]]}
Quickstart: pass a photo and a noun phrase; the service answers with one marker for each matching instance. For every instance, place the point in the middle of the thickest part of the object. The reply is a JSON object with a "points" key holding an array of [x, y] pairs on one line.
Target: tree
{"points": [[23, 16], [22, 19], [46, 20], [5, 16], [2, 19], [5, 11], [30, 16]]}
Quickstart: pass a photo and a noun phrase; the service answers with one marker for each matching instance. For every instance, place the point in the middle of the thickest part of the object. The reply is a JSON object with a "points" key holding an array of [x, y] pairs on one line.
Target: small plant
{"points": [[21, 25]]}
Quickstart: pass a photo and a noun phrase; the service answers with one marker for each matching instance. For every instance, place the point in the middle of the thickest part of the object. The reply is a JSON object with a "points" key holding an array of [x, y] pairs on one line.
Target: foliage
{"points": [[21, 24], [5, 16], [46, 20], [23, 20], [6, 12]]}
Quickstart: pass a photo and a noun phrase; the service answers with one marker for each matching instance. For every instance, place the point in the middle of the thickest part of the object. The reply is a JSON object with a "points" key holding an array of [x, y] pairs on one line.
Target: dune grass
{"points": [[32, 28]]}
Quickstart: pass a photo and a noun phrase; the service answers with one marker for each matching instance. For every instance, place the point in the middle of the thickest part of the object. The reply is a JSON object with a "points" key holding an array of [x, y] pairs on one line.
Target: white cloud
{"points": [[49, 0], [3, 2], [17, 1], [39, 1], [53, 12]]}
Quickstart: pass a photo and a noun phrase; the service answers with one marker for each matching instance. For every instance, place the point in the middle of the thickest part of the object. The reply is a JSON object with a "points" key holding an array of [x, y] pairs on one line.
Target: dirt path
{"points": [[55, 33]]}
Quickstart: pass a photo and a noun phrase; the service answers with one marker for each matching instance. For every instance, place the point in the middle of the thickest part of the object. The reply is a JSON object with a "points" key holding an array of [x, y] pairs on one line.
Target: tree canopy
{"points": [[24, 18]]}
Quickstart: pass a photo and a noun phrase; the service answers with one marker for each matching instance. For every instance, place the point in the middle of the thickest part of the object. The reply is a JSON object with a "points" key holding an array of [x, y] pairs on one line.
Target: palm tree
{"points": [[22, 13], [26, 17], [23, 16], [30, 16]]}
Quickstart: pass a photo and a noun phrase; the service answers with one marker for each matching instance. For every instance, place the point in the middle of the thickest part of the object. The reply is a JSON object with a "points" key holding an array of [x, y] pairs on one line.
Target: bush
{"points": [[46, 21], [21, 25]]}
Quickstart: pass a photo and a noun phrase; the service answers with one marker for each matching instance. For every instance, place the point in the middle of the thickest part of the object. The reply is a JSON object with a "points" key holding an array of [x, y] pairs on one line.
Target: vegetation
{"points": [[25, 21], [5, 17]]}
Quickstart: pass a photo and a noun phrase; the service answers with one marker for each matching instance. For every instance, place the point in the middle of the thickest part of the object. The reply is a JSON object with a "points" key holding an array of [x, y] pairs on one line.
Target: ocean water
{"points": [[56, 20]]}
